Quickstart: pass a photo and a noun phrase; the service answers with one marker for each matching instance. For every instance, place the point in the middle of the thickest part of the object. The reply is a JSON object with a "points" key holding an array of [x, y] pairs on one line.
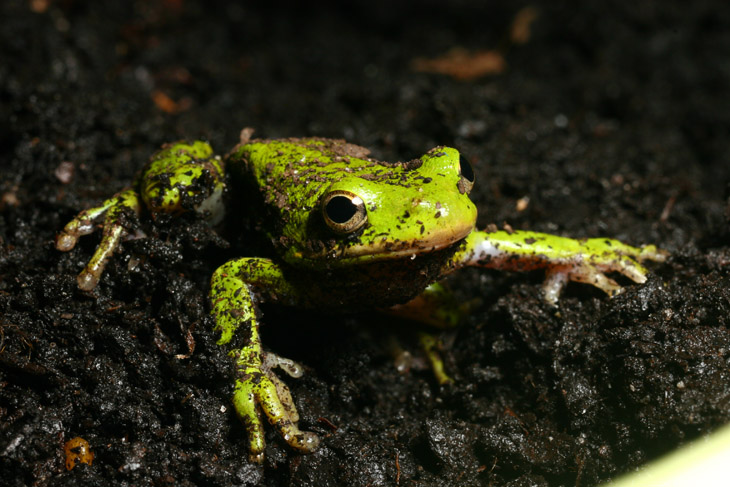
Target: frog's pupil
{"points": [[340, 209], [466, 169]]}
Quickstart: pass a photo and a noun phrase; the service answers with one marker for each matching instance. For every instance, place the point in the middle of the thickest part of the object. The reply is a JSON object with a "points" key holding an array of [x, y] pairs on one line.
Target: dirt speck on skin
{"points": [[611, 119]]}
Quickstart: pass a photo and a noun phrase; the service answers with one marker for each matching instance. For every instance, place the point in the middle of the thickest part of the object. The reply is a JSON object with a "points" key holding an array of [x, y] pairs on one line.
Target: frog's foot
{"points": [[113, 232], [258, 390], [595, 258], [431, 345], [435, 306]]}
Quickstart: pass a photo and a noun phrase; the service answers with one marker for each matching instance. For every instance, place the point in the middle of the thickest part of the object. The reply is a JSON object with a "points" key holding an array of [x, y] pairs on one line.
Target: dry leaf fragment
{"points": [[168, 105], [521, 24], [462, 64]]}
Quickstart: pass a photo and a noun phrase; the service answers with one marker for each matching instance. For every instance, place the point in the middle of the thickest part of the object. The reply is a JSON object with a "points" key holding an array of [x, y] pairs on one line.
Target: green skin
{"points": [[351, 233]]}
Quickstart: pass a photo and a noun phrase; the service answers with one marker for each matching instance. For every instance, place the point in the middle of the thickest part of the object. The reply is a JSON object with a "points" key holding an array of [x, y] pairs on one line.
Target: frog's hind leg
{"points": [[436, 307]]}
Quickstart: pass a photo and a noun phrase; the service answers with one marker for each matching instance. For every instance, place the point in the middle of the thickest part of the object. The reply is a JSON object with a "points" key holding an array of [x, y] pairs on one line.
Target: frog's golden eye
{"points": [[344, 212], [466, 181]]}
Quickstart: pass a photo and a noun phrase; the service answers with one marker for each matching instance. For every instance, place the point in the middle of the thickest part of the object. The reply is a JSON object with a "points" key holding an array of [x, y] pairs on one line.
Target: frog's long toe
{"points": [[66, 240], [431, 346], [631, 269], [279, 408], [601, 281], [653, 253], [260, 391], [244, 401], [89, 277], [292, 368], [585, 273], [553, 285]]}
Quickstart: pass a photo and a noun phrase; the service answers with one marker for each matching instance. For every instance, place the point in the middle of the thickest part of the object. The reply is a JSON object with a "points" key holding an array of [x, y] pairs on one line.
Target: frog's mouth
{"points": [[386, 249]]}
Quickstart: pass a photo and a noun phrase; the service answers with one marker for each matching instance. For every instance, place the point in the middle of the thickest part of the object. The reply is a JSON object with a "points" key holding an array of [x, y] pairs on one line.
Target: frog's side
{"points": [[350, 233]]}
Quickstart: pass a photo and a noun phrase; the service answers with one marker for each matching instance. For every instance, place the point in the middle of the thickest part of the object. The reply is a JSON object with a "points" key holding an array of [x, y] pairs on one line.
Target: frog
{"points": [[347, 233]]}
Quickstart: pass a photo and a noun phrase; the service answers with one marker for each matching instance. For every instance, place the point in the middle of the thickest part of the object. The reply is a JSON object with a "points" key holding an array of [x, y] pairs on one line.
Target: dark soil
{"points": [[613, 119]]}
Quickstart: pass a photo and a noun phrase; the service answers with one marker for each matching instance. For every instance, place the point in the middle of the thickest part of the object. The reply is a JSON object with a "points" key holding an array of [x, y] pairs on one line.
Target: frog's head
{"points": [[384, 211]]}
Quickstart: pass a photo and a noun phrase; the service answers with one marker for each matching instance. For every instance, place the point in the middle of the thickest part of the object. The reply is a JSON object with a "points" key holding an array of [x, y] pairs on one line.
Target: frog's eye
{"points": [[466, 181], [344, 212]]}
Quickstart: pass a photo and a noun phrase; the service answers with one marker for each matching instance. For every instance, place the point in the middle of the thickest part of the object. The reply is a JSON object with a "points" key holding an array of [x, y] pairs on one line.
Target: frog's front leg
{"points": [[564, 259], [114, 230], [179, 178], [234, 288]]}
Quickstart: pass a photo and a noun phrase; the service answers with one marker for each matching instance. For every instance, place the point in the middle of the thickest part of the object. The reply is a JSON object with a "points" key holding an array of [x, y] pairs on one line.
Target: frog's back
{"points": [[299, 166]]}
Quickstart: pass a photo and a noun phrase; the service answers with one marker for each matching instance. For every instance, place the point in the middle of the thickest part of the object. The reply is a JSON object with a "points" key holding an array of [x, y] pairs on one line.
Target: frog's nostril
{"points": [[465, 169], [466, 179]]}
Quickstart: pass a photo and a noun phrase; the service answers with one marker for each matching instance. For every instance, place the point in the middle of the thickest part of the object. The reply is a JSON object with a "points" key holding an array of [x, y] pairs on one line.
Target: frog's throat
{"points": [[395, 250]]}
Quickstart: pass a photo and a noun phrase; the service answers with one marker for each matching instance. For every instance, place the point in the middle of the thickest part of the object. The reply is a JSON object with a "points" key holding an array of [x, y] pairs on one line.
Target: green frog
{"points": [[349, 233]]}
